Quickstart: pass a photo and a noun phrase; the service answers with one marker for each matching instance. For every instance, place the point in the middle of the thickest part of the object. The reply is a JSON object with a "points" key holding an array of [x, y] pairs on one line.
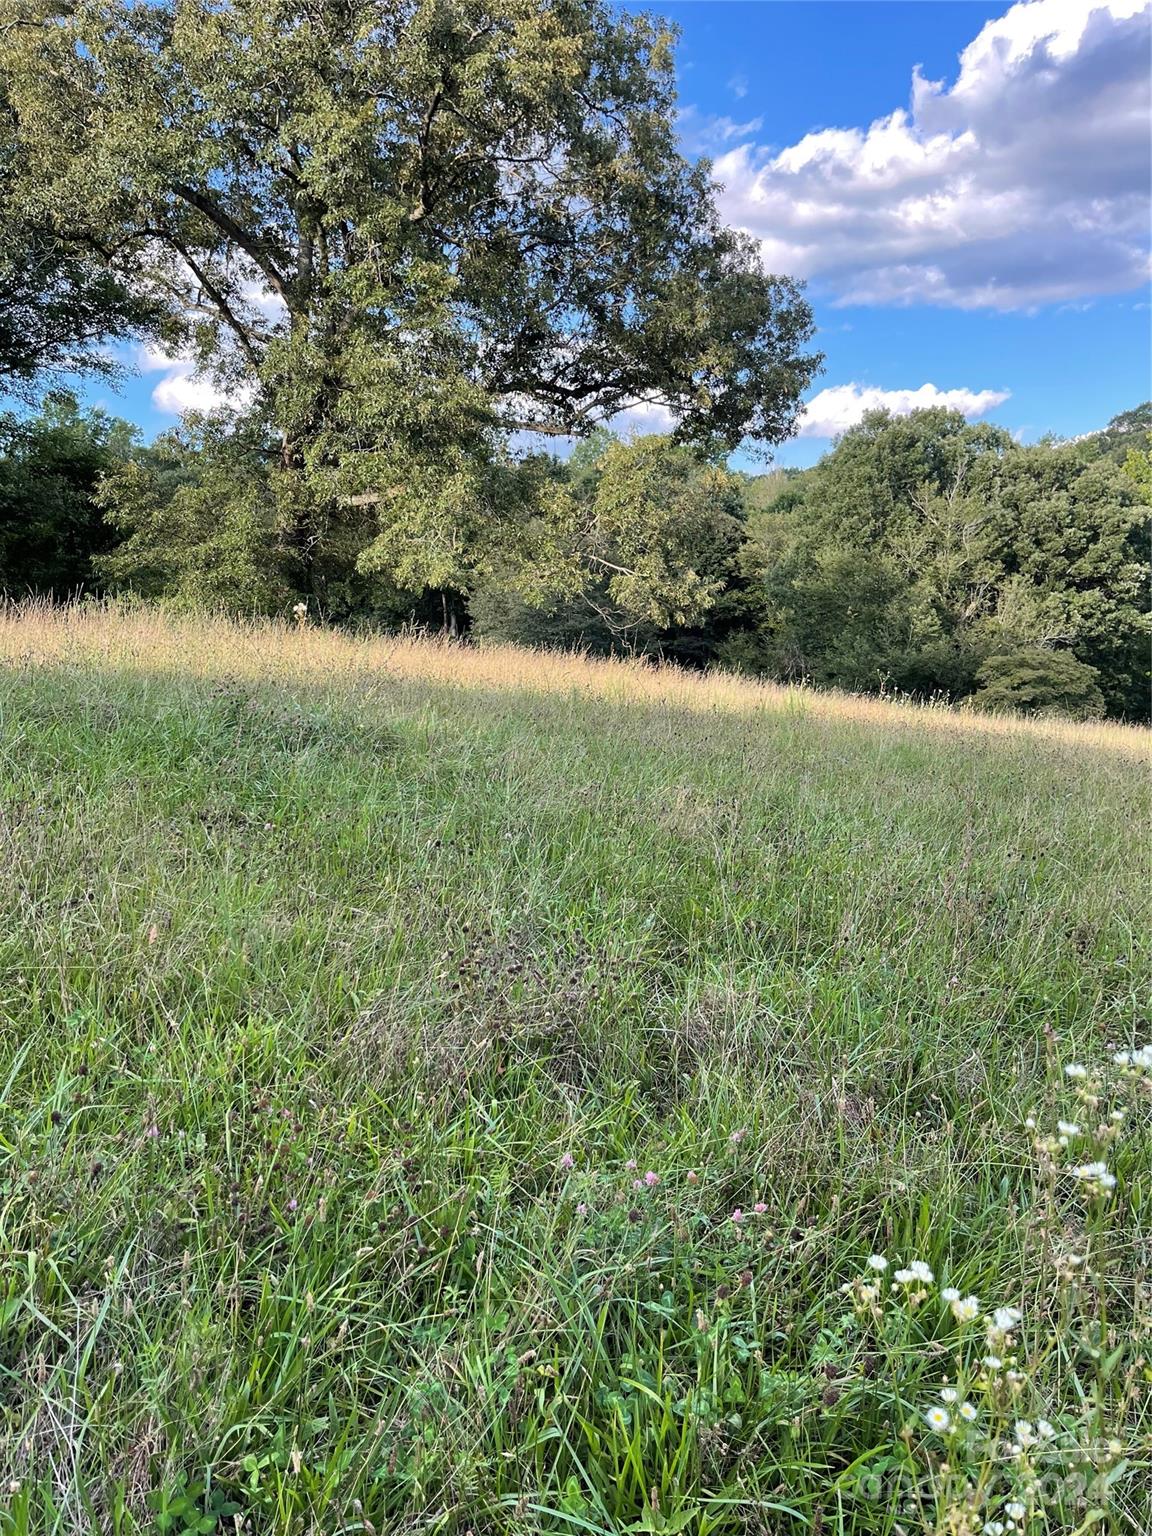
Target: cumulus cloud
{"points": [[1024, 182], [836, 409], [183, 388], [647, 416]]}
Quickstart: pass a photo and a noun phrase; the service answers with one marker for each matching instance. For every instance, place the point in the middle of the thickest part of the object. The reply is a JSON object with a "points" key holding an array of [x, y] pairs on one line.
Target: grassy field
{"points": [[461, 1091]]}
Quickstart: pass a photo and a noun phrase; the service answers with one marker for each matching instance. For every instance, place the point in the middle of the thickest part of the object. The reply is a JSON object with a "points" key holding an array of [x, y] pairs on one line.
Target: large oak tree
{"points": [[410, 228]]}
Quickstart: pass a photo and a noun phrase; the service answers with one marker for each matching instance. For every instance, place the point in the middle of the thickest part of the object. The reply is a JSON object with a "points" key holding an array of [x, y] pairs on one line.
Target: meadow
{"points": [[469, 1091]]}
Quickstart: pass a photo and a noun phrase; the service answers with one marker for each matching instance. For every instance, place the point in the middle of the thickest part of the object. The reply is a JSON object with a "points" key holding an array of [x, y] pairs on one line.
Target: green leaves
{"points": [[921, 549], [405, 232], [192, 1509]]}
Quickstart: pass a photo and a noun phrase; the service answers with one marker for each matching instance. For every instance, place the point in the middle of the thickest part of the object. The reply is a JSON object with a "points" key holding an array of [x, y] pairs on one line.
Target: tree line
{"points": [[407, 241], [922, 555]]}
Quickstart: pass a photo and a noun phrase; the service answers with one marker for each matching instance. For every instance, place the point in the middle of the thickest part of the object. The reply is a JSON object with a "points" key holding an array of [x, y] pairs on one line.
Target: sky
{"points": [[963, 186]]}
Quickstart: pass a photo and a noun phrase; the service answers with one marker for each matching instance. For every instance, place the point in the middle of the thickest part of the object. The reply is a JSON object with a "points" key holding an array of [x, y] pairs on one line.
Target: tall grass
{"points": [[453, 1090]]}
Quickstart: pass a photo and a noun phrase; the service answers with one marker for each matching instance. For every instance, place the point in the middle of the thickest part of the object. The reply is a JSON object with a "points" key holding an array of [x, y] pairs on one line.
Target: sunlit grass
{"points": [[341, 982], [275, 651]]}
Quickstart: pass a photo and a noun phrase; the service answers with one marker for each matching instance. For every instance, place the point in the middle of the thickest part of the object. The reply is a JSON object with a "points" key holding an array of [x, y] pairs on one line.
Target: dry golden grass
{"points": [[142, 639]]}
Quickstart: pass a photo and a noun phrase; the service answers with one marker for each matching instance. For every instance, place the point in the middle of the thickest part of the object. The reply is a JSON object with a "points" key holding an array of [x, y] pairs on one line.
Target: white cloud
{"points": [[836, 409], [183, 388], [1025, 182], [647, 416], [704, 134], [738, 85]]}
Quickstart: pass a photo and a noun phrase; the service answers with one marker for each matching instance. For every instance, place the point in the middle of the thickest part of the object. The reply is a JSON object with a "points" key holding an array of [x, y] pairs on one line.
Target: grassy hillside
{"points": [[448, 1091]]}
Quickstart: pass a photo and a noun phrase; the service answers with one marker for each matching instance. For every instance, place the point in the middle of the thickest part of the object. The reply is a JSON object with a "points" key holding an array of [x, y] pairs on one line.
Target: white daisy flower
{"points": [[878, 1262], [948, 1395], [966, 1310], [1006, 1318], [1075, 1071], [949, 1293], [938, 1419], [968, 1412]]}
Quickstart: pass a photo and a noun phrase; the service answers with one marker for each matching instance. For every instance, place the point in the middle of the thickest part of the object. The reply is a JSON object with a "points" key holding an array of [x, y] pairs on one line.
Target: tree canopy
{"points": [[922, 545], [58, 308], [406, 230]]}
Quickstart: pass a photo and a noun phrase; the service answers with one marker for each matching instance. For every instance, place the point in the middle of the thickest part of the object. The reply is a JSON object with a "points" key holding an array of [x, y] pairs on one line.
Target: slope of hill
{"points": [[455, 1091]]}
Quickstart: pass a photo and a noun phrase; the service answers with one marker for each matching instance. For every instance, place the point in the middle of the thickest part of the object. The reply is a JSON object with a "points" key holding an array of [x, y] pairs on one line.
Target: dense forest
{"points": [[923, 554], [412, 245]]}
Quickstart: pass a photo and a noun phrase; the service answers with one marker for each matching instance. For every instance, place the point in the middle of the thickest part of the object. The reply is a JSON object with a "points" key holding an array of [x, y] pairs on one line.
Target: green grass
{"points": [[308, 985]]}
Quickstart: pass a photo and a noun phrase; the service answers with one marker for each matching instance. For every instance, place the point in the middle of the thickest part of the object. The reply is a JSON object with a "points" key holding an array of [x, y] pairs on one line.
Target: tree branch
{"points": [[228, 226]]}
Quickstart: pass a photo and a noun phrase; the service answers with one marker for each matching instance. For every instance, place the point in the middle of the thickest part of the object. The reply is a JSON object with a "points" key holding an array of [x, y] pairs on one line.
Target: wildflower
{"points": [[1004, 1319], [938, 1419], [917, 1270], [636, 1184], [1025, 1434], [1045, 1430], [737, 1216], [651, 1179], [1067, 1127], [1075, 1071], [1030, 1123], [693, 1177], [878, 1262], [152, 1132], [567, 1161], [291, 1205], [992, 1362], [949, 1293], [966, 1309], [759, 1208], [994, 1528], [630, 1164], [968, 1412], [738, 1136], [1095, 1177], [1015, 1510], [948, 1395], [581, 1209]]}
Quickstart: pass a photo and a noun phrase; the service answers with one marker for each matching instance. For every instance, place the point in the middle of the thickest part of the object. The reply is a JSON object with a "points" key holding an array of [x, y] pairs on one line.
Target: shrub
{"points": [[1036, 681]]}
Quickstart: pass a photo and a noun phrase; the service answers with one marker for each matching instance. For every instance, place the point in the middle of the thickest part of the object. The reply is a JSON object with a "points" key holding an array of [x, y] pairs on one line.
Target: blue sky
{"points": [[1059, 325], [991, 158]]}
